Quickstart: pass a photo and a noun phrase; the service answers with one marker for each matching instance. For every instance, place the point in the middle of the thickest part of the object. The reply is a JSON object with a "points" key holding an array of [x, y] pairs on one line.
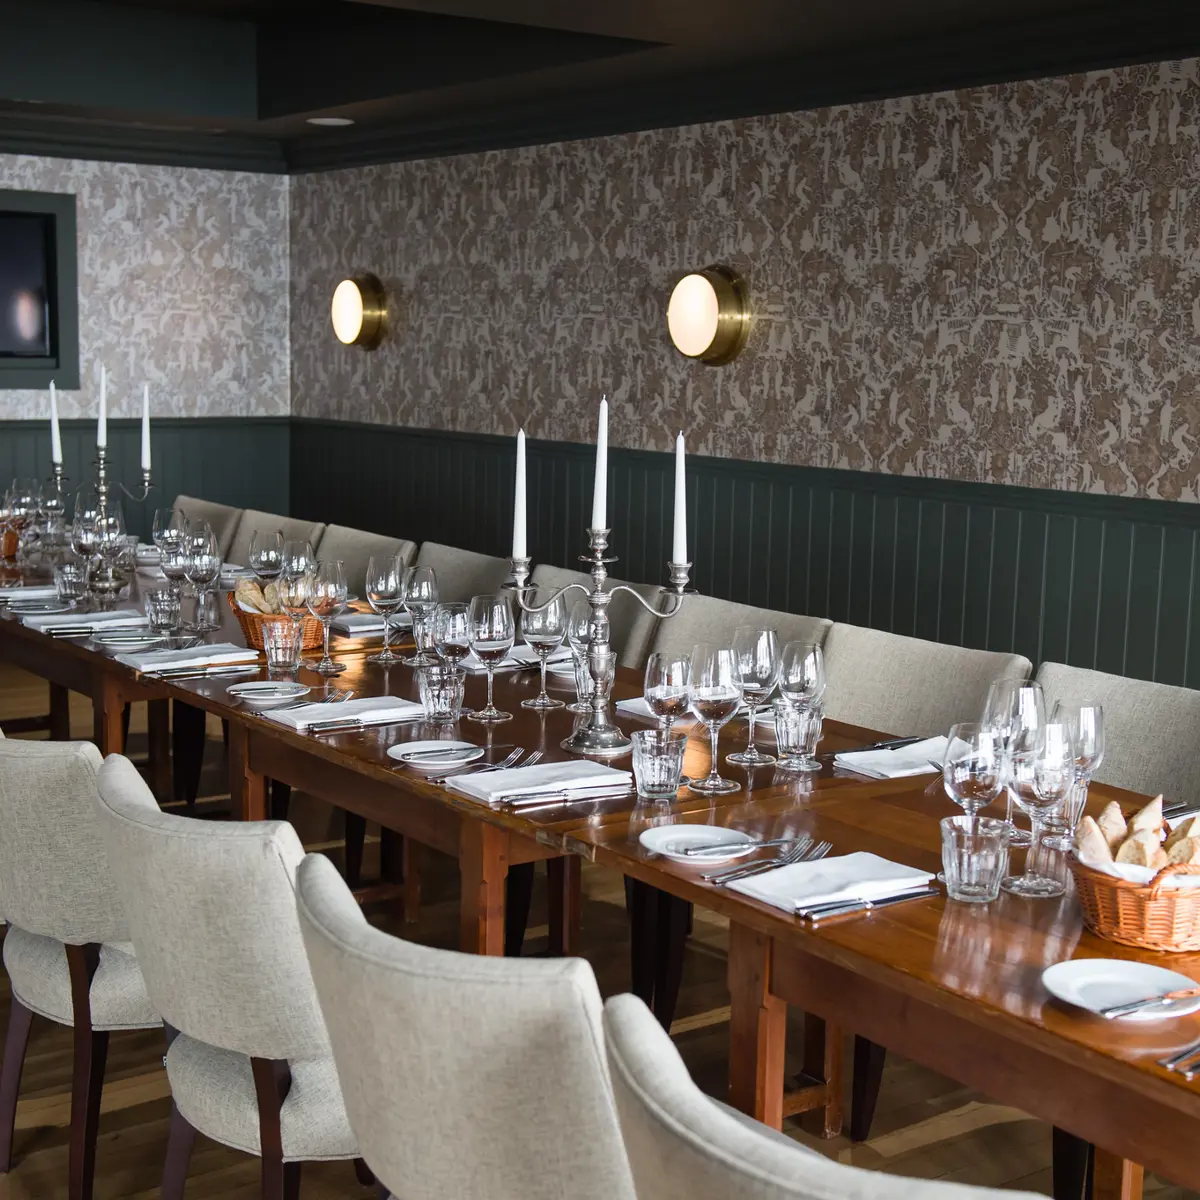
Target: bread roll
{"points": [[1188, 827], [1148, 819], [271, 597], [249, 595], [1112, 825], [1090, 844], [1143, 850], [1186, 850]]}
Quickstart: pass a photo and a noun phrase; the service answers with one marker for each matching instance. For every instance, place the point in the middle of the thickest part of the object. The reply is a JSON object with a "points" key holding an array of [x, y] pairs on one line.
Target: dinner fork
{"points": [[717, 878], [509, 761]]}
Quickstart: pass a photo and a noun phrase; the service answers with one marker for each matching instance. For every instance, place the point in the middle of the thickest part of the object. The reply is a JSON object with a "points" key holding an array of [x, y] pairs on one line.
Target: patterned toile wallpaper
{"points": [[1000, 284], [183, 278]]}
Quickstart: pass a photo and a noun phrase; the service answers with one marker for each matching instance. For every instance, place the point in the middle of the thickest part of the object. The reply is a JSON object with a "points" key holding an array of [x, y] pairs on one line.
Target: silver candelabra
{"points": [[595, 733], [106, 581]]}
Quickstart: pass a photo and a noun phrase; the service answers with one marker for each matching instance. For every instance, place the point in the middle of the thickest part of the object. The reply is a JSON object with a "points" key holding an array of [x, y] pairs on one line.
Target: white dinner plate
{"points": [[262, 694], [565, 668], [670, 841], [456, 754], [30, 607], [1096, 983]]}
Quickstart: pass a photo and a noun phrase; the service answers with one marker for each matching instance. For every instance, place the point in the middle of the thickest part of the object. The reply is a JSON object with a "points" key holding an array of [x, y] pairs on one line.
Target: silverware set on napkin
{"points": [[1185, 1061], [803, 851], [512, 760], [815, 913]]}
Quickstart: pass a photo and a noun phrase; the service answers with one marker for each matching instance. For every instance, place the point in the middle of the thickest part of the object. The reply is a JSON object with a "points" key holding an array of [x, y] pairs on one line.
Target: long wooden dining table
{"points": [[954, 987]]}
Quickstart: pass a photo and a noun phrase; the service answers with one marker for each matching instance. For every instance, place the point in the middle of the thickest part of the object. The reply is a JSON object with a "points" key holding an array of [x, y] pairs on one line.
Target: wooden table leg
{"points": [[158, 729], [108, 714], [564, 880], [247, 789], [1115, 1178], [757, 1029], [60, 713], [483, 865], [823, 1061]]}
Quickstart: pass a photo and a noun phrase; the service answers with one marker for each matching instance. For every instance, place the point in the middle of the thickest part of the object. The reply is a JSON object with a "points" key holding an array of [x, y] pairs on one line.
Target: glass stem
{"points": [[325, 640], [1035, 827], [751, 748], [714, 732], [545, 658], [387, 633], [490, 705]]}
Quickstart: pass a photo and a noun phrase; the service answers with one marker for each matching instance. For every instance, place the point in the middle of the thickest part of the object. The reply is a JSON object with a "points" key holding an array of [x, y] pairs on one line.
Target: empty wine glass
{"points": [[802, 673], [1086, 721], [665, 687], [715, 694], [202, 568], [326, 595], [385, 594], [298, 556], [266, 554], [492, 636], [973, 766], [1041, 781], [579, 638], [292, 587], [544, 630], [420, 599], [168, 524], [757, 653], [452, 632], [1016, 710]]}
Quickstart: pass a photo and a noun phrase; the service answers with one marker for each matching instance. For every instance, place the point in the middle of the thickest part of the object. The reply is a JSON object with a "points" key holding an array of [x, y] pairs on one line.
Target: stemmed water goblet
{"points": [[579, 638], [973, 766], [1040, 782], [168, 524], [1085, 718], [757, 652], [452, 632], [715, 694], [298, 556], [326, 596], [544, 630], [665, 687], [1016, 711], [385, 594], [202, 567], [265, 556], [292, 587], [492, 636], [802, 673], [420, 599]]}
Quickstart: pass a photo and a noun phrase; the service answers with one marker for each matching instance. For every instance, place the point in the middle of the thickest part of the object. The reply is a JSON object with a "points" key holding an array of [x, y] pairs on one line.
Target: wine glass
{"points": [[298, 556], [202, 567], [579, 638], [292, 587], [802, 673], [168, 523], [1086, 721], [492, 636], [973, 766], [24, 501], [452, 632], [1016, 710], [266, 554], [544, 630], [757, 653], [326, 595], [420, 599], [385, 594], [715, 694], [1041, 781], [665, 687]]}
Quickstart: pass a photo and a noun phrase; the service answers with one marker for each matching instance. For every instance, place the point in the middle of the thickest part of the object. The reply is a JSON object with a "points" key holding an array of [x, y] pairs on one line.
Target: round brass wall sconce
{"points": [[708, 317], [359, 311]]}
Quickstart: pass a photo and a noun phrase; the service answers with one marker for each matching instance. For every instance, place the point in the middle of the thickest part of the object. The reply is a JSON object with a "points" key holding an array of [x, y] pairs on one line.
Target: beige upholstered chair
{"points": [[213, 915], [253, 520], [356, 547], [462, 574], [222, 519], [1150, 729], [631, 627], [904, 685], [707, 619], [66, 950], [684, 1146], [464, 1076]]}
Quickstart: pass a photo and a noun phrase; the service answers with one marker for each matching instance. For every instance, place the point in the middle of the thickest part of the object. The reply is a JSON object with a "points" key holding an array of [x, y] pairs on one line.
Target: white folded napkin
{"points": [[151, 571], [917, 758], [518, 656], [359, 624], [30, 592], [858, 876], [117, 619], [370, 710], [216, 654], [580, 778]]}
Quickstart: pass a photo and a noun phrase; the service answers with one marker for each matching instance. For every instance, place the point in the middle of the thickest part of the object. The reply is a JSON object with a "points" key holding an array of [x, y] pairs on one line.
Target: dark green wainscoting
{"points": [[235, 460], [1094, 581]]}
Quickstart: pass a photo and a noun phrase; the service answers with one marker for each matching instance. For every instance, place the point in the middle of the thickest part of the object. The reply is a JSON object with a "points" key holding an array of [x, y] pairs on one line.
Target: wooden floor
{"points": [[926, 1126]]}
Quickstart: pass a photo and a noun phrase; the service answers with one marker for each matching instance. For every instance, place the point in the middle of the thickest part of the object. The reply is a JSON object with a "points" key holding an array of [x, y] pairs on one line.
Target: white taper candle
{"points": [[145, 427], [519, 546], [679, 540], [102, 422], [600, 489], [55, 433]]}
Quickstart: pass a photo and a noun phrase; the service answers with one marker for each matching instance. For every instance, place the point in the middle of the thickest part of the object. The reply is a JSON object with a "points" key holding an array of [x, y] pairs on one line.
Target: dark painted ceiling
{"points": [[236, 82]]}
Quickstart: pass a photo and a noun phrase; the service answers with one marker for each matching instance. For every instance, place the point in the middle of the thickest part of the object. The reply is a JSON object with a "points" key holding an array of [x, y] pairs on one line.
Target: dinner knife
{"points": [[1133, 1006], [205, 672], [889, 744], [842, 908], [351, 724]]}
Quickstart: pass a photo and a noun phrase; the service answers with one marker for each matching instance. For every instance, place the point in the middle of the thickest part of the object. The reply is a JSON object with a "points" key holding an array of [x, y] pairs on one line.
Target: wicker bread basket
{"points": [[1149, 915], [252, 625]]}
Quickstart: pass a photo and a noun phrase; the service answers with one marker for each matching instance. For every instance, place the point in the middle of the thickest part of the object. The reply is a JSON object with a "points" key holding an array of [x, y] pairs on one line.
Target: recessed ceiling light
{"points": [[329, 121]]}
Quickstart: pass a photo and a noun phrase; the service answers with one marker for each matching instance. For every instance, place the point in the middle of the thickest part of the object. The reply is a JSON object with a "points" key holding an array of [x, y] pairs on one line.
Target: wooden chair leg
{"points": [[280, 801], [518, 890], [363, 1173], [91, 1052], [1071, 1160], [60, 713], [868, 1077], [641, 902], [564, 898], [16, 1042], [272, 1082], [179, 1154], [187, 750], [674, 918], [356, 840], [125, 725]]}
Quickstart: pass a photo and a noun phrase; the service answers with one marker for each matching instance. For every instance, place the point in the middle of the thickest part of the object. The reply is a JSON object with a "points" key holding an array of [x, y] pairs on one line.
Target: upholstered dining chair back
{"points": [[907, 686], [1150, 729], [462, 574], [212, 913], [707, 619], [222, 519], [631, 627], [54, 875], [463, 1075], [356, 547], [684, 1146], [293, 528]]}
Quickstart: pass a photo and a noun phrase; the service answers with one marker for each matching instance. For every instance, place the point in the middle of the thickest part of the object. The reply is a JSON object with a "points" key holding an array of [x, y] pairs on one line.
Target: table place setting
{"points": [[204, 659], [521, 657], [260, 695], [899, 759], [701, 845], [434, 755], [1117, 989], [363, 713], [544, 784], [83, 624]]}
